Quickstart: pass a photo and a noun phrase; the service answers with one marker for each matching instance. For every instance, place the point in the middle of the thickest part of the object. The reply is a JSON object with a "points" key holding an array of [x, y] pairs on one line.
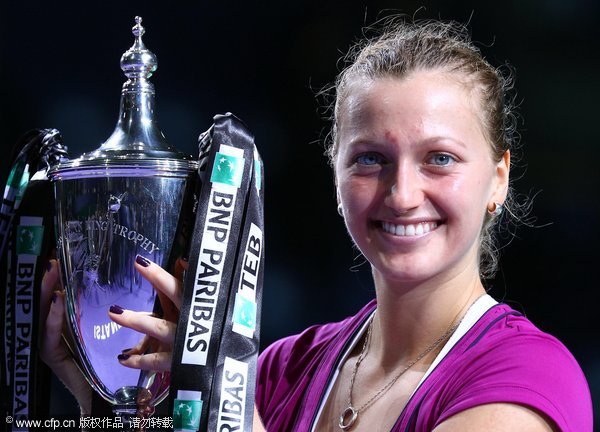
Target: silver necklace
{"points": [[350, 414]]}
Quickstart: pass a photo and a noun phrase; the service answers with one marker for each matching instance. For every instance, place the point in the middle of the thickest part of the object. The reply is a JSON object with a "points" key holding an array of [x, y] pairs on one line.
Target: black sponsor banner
{"points": [[26, 241], [228, 161], [232, 399]]}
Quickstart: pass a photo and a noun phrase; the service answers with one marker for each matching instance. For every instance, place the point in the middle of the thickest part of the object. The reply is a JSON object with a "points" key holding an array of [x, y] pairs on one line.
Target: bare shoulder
{"points": [[257, 425], [498, 417]]}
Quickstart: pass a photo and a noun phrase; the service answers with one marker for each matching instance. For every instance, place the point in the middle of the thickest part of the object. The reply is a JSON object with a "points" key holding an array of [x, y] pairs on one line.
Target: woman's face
{"points": [[415, 174]]}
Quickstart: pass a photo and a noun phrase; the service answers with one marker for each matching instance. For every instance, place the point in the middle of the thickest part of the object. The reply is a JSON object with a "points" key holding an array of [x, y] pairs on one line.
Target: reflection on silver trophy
{"points": [[121, 200]]}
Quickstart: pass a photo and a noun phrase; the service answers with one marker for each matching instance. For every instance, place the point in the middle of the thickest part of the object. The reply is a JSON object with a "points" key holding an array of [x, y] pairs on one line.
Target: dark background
{"points": [[265, 61]]}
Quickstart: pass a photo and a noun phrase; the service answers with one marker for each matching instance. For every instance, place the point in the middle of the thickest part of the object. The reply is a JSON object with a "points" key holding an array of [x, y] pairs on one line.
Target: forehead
{"points": [[422, 104]]}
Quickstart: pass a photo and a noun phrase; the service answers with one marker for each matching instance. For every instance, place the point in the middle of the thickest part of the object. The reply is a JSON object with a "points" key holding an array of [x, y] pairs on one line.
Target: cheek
{"points": [[464, 200], [358, 199], [462, 194], [357, 195], [352, 202]]}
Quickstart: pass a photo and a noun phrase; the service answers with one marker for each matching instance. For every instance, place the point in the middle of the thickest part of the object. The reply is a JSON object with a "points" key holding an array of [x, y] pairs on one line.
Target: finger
{"points": [[158, 328], [56, 356], [170, 312], [141, 347], [160, 279], [52, 351], [181, 265], [49, 281], [48, 285], [158, 361]]}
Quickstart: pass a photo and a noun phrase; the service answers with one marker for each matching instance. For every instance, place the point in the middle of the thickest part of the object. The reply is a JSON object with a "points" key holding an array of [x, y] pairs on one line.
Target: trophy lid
{"points": [[137, 141]]}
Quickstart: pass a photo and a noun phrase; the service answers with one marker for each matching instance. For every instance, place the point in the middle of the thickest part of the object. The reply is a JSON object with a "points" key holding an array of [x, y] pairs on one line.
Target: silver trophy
{"points": [[121, 200]]}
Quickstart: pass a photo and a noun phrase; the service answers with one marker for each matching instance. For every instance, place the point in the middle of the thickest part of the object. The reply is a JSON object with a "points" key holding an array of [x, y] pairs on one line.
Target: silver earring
{"points": [[340, 209], [496, 210]]}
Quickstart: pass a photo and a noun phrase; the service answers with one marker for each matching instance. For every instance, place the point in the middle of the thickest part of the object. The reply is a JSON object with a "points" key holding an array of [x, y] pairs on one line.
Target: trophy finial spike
{"points": [[138, 30], [137, 135], [138, 62]]}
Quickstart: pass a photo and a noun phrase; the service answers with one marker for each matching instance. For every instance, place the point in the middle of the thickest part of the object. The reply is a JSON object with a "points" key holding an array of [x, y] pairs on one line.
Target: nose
{"points": [[404, 189]]}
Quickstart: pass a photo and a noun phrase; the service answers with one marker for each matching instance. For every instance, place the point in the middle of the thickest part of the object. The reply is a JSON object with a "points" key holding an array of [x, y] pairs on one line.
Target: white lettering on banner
{"points": [[25, 274], [232, 404], [209, 271], [244, 314], [251, 263]]}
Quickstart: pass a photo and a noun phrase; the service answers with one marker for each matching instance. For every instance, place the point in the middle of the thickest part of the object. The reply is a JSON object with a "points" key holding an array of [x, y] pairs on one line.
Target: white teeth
{"points": [[410, 229]]}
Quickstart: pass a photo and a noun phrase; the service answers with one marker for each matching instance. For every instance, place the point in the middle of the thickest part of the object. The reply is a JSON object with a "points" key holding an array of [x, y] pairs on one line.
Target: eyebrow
{"points": [[435, 139], [363, 139]]}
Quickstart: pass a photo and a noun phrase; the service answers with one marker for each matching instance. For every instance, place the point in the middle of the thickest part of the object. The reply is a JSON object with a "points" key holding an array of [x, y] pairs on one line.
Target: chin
{"points": [[406, 271]]}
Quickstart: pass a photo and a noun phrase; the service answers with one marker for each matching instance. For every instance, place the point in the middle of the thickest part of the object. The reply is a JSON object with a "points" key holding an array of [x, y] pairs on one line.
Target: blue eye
{"points": [[368, 159], [441, 159]]}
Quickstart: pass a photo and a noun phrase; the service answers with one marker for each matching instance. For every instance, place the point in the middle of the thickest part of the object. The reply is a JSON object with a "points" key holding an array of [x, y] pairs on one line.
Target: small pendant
{"points": [[348, 418]]}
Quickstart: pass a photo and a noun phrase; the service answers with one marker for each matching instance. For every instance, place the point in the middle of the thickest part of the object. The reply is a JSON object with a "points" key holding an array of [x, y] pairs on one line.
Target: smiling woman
{"points": [[412, 156], [421, 155]]}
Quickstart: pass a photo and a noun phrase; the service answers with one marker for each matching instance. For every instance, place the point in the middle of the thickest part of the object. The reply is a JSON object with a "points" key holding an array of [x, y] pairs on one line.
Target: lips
{"points": [[409, 230]]}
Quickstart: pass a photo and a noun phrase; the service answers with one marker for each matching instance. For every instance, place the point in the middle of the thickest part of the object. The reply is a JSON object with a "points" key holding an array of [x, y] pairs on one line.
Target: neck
{"points": [[410, 317]]}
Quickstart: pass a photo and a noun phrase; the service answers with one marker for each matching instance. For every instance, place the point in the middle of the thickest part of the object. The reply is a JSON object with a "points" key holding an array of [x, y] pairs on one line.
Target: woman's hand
{"points": [[52, 348], [160, 332]]}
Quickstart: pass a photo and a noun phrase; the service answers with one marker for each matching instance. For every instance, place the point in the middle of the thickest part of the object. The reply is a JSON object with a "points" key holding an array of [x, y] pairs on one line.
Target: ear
{"points": [[502, 176]]}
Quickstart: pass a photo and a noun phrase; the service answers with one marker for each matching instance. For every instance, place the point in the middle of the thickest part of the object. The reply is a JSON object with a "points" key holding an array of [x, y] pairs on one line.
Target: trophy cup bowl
{"points": [[104, 220], [122, 200]]}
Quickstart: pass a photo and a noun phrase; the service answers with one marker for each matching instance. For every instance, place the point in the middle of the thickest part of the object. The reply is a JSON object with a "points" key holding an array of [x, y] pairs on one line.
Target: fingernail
{"points": [[186, 259], [126, 350], [143, 261], [49, 266], [53, 297], [116, 309], [123, 356]]}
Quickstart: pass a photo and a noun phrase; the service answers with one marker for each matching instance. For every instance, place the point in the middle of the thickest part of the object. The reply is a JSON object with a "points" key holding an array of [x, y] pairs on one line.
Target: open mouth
{"points": [[409, 230]]}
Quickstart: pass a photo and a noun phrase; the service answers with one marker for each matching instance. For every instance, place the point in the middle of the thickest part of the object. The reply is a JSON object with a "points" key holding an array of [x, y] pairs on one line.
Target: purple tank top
{"points": [[502, 358]]}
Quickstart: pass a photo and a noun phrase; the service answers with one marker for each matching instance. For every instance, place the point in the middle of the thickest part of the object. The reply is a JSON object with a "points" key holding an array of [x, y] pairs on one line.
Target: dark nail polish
{"points": [[126, 350], [49, 266], [123, 356], [143, 261], [116, 309], [53, 298]]}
